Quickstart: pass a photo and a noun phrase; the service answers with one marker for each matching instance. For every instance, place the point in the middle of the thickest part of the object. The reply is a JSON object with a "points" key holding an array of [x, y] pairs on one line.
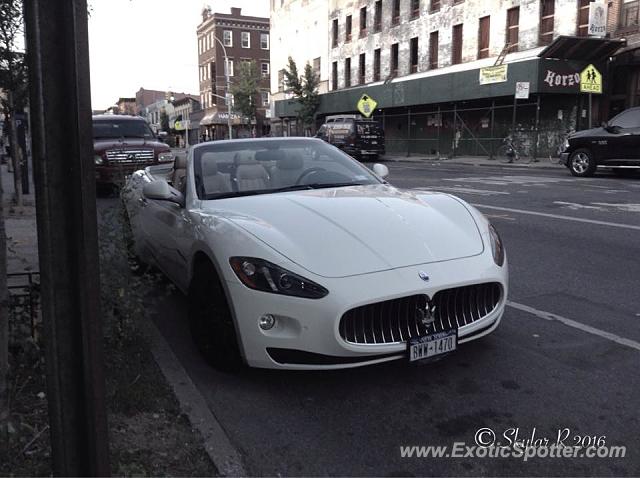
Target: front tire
{"points": [[582, 163], [211, 322]]}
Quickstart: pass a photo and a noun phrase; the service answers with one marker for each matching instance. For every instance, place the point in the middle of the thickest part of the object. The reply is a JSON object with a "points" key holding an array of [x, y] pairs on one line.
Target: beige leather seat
{"points": [[250, 174], [179, 172], [214, 182], [287, 170]]}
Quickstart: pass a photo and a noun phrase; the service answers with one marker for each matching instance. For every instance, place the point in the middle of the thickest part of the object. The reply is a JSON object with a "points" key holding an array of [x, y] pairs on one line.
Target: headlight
{"points": [[262, 275], [165, 157], [496, 246], [98, 159]]}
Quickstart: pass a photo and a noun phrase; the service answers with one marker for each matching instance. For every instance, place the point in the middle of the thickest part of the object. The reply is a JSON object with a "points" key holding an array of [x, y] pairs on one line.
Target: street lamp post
{"points": [[226, 76]]}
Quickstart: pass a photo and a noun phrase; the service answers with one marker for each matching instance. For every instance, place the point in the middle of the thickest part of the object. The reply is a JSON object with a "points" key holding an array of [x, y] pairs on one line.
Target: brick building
{"points": [[244, 38], [444, 72]]}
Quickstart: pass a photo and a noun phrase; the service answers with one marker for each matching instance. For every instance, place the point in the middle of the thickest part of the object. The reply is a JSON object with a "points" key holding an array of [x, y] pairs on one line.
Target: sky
{"points": [[150, 44]]}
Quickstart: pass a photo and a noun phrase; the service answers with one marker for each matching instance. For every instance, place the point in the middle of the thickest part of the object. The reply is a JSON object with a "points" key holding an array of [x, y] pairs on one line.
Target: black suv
{"points": [[615, 145], [355, 135]]}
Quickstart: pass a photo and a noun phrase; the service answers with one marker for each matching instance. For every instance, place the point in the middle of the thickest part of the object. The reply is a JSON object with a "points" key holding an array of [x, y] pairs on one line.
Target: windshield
{"points": [[121, 128], [369, 128], [243, 168]]}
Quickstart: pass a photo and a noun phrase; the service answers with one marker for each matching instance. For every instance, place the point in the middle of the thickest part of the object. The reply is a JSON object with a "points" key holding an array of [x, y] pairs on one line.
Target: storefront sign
{"points": [[561, 80], [366, 105], [591, 80], [597, 19], [522, 90], [493, 74]]}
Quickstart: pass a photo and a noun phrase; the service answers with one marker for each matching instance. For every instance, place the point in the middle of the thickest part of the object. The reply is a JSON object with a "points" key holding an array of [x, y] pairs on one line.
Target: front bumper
{"points": [[118, 172], [306, 334]]}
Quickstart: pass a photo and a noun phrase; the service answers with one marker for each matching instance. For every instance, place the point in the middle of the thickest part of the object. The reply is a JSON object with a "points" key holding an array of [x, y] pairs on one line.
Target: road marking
{"points": [[512, 180], [575, 206], [576, 325], [458, 189], [559, 216], [622, 206]]}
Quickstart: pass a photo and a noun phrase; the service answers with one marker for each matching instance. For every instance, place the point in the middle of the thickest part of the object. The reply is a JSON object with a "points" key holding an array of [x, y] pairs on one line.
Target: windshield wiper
{"points": [[332, 185]]}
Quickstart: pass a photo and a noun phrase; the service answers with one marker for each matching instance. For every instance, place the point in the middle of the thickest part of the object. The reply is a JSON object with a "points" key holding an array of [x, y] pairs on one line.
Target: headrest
{"points": [[244, 157], [290, 161], [268, 155], [209, 166], [180, 161]]}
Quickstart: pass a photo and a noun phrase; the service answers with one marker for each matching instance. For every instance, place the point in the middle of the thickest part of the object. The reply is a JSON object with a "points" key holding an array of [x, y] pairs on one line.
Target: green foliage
{"points": [[246, 89], [13, 70], [305, 91], [164, 121]]}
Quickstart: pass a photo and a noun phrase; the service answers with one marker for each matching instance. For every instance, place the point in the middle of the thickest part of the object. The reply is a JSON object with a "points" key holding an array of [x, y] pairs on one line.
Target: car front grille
{"points": [[399, 320], [130, 155]]}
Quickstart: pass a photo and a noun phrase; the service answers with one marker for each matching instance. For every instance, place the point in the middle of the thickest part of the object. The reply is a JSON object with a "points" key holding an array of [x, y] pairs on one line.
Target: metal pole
{"points": [[408, 131], [535, 150], [590, 111], [58, 55], [455, 130], [513, 119], [493, 122], [226, 76], [439, 123]]}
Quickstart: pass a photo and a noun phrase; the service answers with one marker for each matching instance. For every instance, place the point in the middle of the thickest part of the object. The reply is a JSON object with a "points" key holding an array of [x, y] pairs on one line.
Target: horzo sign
{"points": [[558, 80]]}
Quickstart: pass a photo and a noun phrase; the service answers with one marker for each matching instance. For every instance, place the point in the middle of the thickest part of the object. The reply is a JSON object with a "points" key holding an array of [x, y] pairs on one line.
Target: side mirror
{"points": [[605, 125], [381, 170], [161, 191]]}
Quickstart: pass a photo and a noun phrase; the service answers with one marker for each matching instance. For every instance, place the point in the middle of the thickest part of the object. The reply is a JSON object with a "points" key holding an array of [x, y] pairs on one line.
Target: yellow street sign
{"points": [[591, 80], [367, 105]]}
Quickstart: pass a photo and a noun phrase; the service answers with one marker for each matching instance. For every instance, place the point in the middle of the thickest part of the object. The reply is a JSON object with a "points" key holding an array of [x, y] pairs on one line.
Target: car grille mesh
{"points": [[398, 320], [130, 155]]}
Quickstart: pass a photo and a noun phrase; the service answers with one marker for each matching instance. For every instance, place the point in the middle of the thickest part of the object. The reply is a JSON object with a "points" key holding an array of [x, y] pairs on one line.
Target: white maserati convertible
{"points": [[293, 255]]}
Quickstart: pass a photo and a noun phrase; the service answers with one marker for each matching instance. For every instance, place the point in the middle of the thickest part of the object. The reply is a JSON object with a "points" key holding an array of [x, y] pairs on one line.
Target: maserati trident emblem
{"points": [[426, 315], [424, 276]]}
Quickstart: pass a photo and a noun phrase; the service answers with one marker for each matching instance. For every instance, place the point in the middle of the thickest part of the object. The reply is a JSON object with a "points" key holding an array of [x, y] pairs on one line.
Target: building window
{"points": [[227, 38], [394, 60], [265, 98], [347, 72], [433, 50], [395, 12], [334, 33], [245, 40], [376, 65], [377, 16], [363, 21], [483, 37], [456, 48], [264, 69], [415, 9], [361, 68], [316, 67], [334, 75], [199, 46], [229, 70], [547, 13], [629, 15], [434, 6], [583, 17], [413, 55], [264, 41], [348, 28], [280, 80], [513, 27]]}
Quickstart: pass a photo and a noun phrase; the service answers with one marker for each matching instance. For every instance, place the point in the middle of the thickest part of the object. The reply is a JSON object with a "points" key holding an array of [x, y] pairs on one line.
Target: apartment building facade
{"points": [[242, 38], [423, 61]]}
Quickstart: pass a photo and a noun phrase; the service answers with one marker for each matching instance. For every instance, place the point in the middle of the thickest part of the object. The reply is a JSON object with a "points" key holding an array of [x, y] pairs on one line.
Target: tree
{"points": [[305, 91], [164, 121], [13, 82], [13, 79], [246, 90]]}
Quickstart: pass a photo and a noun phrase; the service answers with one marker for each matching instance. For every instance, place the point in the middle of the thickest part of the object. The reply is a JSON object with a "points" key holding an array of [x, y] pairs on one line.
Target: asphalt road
{"points": [[566, 355]]}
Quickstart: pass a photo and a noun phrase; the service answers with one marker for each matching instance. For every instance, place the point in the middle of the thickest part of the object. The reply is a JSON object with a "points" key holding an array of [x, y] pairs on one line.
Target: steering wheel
{"points": [[307, 172]]}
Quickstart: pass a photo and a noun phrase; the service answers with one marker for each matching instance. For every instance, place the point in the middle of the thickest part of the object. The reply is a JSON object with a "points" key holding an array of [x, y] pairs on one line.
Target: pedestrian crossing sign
{"points": [[367, 105], [591, 80]]}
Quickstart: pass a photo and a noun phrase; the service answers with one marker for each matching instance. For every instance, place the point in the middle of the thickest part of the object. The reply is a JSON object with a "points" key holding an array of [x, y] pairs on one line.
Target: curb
{"points": [[216, 443]]}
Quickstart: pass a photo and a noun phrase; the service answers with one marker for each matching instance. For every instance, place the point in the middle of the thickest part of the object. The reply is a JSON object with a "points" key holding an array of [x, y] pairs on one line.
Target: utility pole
{"points": [[226, 76], [58, 55]]}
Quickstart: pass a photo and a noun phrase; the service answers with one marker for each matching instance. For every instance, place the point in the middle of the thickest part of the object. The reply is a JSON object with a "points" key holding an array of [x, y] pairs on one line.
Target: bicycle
{"points": [[508, 152]]}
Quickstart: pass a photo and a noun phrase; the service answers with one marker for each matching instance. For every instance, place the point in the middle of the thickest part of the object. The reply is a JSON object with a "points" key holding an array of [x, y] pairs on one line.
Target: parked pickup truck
{"points": [[124, 144]]}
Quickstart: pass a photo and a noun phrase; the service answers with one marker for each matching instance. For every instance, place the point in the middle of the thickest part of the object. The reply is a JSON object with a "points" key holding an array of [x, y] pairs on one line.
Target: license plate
{"points": [[374, 142], [431, 345]]}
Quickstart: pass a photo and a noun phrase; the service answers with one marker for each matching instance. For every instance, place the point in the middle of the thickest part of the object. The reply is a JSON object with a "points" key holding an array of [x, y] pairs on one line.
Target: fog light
{"points": [[267, 322]]}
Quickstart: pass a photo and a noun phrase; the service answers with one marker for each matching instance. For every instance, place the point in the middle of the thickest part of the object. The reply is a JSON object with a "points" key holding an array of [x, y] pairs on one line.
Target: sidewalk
{"points": [[541, 163]]}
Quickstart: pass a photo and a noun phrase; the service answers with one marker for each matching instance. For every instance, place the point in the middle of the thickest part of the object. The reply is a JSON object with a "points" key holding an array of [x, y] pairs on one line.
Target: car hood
{"points": [[587, 132], [102, 145], [356, 230]]}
